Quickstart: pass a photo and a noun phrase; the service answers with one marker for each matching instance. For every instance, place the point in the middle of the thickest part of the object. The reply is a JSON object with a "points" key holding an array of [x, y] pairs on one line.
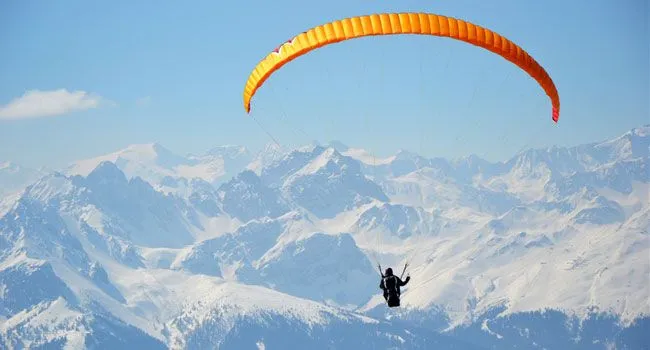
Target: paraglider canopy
{"points": [[394, 24]]}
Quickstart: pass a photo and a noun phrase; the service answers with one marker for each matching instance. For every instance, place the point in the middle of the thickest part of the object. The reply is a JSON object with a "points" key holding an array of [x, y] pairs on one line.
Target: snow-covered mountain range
{"points": [[144, 248], [14, 177]]}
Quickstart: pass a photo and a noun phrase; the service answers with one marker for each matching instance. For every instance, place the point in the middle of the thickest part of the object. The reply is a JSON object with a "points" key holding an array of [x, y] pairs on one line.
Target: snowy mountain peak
{"points": [[633, 144], [153, 152], [367, 158], [161, 167], [338, 146], [279, 169], [15, 177], [322, 160], [327, 183], [107, 172], [246, 197], [642, 131], [151, 149], [228, 151], [271, 153], [312, 147], [404, 154], [273, 147], [472, 161], [136, 158]]}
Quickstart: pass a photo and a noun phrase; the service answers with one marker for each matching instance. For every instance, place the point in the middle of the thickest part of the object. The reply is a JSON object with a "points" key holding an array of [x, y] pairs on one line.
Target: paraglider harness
{"points": [[391, 287]]}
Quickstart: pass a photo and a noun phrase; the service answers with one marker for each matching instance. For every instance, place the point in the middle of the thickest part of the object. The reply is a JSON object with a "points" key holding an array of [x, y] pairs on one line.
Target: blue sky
{"points": [[173, 72]]}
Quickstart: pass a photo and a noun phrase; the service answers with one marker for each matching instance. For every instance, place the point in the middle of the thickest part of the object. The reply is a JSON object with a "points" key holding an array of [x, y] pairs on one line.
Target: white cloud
{"points": [[36, 103]]}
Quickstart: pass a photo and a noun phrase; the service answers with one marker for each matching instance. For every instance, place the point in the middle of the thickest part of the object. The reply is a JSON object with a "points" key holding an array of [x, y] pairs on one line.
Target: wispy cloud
{"points": [[37, 104]]}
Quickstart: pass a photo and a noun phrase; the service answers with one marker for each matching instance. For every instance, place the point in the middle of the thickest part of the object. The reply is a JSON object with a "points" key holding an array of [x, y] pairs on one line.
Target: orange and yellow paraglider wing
{"points": [[393, 24]]}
